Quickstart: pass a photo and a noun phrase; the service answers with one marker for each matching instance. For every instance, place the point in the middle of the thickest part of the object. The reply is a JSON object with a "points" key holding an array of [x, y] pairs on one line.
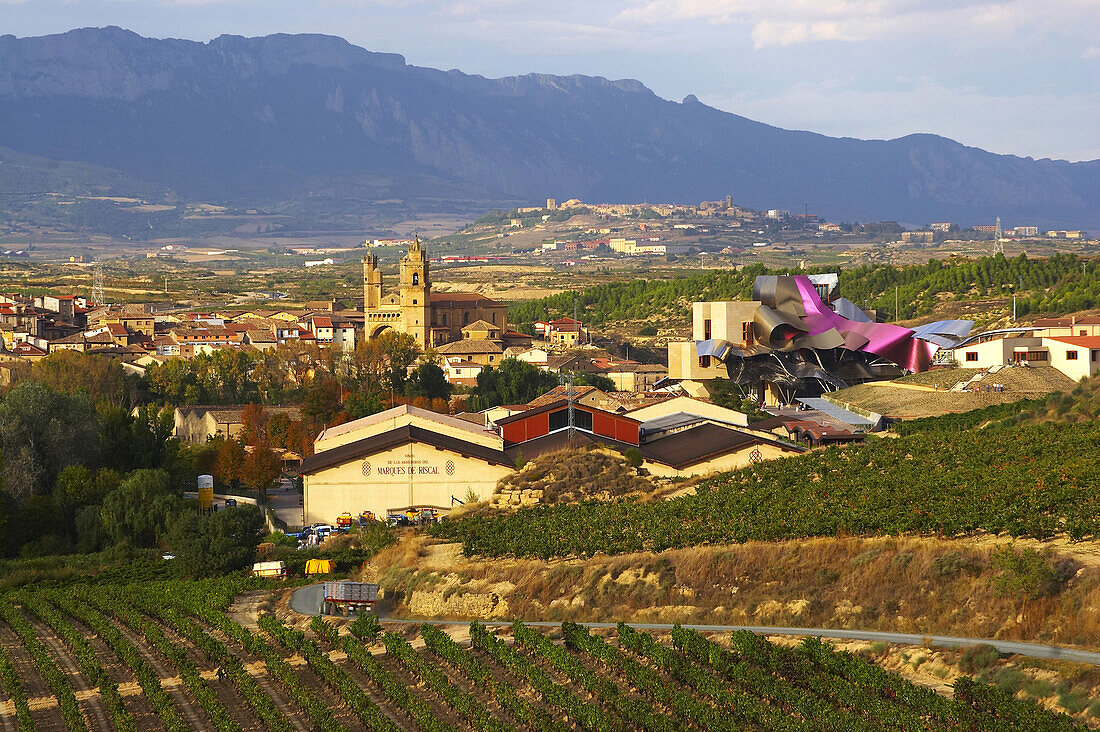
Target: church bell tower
{"points": [[372, 282], [415, 294]]}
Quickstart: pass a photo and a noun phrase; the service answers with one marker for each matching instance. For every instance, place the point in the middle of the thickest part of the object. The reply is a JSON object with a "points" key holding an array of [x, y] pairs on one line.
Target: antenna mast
{"points": [[999, 244], [98, 296]]}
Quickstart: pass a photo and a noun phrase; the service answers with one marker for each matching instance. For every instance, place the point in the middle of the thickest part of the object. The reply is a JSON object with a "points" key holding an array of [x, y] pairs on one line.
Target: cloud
{"points": [[787, 22], [1091, 52], [770, 33]]}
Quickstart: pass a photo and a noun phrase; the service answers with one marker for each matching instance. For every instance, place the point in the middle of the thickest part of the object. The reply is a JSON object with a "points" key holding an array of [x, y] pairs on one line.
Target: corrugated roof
{"points": [[840, 414]]}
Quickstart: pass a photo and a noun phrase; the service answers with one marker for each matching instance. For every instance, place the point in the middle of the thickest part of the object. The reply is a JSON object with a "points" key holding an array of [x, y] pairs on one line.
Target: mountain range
{"points": [[285, 116]]}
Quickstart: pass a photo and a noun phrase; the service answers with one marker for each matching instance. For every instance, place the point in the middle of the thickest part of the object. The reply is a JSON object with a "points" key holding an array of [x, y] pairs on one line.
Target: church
{"points": [[432, 318]]}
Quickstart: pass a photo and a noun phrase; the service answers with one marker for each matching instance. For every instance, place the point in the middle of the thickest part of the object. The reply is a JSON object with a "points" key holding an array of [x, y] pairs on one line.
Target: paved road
{"points": [[284, 501], [307, 601]]}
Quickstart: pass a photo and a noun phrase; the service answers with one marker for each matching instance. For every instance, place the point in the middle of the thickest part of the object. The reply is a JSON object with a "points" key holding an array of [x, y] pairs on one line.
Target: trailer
{"points": [[342, 597], [269, 569]]}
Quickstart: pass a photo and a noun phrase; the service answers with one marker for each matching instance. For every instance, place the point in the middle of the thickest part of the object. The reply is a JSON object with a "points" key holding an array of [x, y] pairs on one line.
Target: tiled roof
{"points": [[470, 346], [1079, 341], [481, 325]]}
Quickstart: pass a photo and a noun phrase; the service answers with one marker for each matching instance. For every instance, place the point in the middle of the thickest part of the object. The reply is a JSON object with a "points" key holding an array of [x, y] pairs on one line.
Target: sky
{"points": [[1010, 76]]}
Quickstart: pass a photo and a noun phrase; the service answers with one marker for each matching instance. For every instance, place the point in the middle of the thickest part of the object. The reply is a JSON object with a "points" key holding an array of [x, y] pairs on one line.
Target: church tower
{"points": [[372, 282], [415, 294]]}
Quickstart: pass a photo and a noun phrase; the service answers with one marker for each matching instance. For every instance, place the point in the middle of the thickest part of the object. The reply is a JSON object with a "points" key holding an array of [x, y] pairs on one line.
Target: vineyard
{"points": [[172, 656], [1034, 481], [1061, 283]]}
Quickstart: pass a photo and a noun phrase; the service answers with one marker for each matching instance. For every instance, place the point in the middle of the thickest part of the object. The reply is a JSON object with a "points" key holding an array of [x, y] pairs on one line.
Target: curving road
{"points": [[307, 601]]}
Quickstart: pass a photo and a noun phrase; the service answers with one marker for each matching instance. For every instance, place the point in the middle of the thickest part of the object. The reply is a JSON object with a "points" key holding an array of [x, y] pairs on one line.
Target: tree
{"points": [[261, 467], [137, 512], [209, 546], [599, 381], [100, 377], [512, 382], [322, 402], [428, 381], [229, 463], [41, 432]]}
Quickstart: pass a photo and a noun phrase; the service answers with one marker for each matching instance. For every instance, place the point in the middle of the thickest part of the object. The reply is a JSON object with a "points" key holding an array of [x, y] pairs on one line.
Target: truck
{"points": [[342, 597], [343, 522]]}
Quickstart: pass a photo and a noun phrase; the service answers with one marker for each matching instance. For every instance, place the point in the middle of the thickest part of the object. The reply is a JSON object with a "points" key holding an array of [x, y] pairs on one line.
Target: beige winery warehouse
{"points": [[400, 459]]}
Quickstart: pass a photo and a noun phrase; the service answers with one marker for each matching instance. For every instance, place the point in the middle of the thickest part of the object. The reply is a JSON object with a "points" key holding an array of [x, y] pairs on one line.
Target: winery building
{"points": [[410, 458]]}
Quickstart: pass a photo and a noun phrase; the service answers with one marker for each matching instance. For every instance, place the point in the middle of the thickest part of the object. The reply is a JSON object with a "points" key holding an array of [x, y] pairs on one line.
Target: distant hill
{"points": [[285, 116]]}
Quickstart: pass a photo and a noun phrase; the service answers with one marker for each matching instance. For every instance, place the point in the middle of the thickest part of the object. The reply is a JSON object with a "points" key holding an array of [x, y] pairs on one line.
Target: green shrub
{"points": [[902, 559], [952, 564], [1073, 702], [864, 557], [1009, 679], [1039, 688], [1027, 574], [978, 658], [1094, 709]]}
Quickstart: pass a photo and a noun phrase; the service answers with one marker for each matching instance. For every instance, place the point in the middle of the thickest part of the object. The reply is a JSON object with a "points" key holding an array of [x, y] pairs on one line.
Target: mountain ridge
{"points": [[255, 117]]}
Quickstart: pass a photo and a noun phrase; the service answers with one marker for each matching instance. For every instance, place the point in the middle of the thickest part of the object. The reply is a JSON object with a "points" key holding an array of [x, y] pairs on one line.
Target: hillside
{"points": [[287, 115], [1058, 284], [1033, 481]]}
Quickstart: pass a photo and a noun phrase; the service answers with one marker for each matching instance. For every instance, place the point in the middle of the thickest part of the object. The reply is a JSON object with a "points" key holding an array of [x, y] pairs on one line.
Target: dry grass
{"points": [[569, 476], [913, 585]]}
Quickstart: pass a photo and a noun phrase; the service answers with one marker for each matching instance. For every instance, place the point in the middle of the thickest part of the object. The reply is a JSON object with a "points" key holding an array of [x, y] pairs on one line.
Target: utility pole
{"points": [[896, 314]]}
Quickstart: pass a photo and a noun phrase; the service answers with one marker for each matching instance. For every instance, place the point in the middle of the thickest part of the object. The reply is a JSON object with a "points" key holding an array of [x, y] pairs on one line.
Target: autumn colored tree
{"points": [[230, 462], [261, 467]]}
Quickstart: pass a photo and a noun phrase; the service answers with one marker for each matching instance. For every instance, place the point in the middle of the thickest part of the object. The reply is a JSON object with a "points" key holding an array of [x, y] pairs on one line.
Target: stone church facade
{"points": [[432, 318]]}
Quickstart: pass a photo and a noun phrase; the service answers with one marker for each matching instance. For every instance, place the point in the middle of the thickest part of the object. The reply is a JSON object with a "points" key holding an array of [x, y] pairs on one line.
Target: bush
{"points": [[952, 564], [1094, 709], [647, 330], [1027, 574], [209, 546], [1039, 688], [1009, 680], [978, 658], [1073, 702]]}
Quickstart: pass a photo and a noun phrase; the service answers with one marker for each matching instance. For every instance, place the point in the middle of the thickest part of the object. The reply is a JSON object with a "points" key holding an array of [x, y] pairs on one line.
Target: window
{"points": [[1084, 332], [466, 318], [494, 318], [1036, 355], [414, 301], [704, 362], [747, 334], [1071, 355], [444, 318], [416, 278], [706, 329], [1096, 354], [971, 355]]}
